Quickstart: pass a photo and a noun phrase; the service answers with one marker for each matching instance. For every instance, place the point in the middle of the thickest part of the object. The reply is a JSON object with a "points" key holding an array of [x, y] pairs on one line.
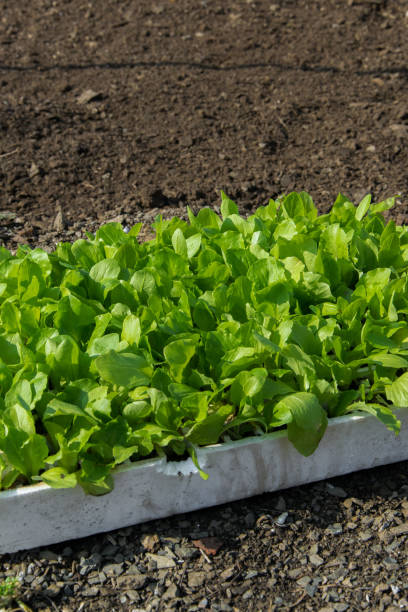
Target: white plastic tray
{"points": [[38, 515]]}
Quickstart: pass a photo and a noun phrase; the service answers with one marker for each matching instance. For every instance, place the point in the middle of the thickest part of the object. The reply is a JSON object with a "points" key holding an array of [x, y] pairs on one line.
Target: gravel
{"points": [[337, 546]]}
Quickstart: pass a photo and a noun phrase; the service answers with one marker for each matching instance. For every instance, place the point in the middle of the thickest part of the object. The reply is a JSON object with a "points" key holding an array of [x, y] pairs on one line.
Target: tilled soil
{"points": [[125, 110]]}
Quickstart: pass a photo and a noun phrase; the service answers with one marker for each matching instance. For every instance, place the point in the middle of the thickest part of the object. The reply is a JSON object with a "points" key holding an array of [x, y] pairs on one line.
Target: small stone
{"points": [[382, 588], [227, 573], [92, 591], [281, 520], [113, 569], [196, 579], [365, 536], [251, 574], [29, 579], [390, 562], [335, 491], [347, 503], [95, 559], [59, 222], [185, 552], [311, 589], [89, 95], [316, 560], [54, 589], [172, 592], [34, 170], [133, 582], [132, 595], [335, 529], [162, 562], [295, 573], [399, 529], [151, 542], [303, 581]]}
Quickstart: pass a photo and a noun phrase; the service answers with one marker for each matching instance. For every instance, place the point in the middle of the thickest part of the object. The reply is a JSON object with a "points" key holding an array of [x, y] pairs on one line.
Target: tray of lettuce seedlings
{"points": [[224, 358]]}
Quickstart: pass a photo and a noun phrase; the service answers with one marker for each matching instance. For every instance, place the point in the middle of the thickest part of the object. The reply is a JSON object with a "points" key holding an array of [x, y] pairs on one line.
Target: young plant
{"points": [[113, 350], [8, 591]]}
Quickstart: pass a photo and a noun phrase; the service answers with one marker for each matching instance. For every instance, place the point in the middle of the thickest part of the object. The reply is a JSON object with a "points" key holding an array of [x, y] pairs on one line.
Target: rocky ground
{"points": [[329, 546], [124, 110]]}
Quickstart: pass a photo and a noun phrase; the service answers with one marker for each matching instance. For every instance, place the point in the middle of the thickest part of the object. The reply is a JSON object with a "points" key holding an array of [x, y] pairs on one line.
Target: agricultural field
{"points": [[116, 113]]}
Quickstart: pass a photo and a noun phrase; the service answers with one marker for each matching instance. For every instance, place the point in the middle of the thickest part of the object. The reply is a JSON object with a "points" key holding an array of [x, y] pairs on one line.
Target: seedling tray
{"points": [[38, 515]]}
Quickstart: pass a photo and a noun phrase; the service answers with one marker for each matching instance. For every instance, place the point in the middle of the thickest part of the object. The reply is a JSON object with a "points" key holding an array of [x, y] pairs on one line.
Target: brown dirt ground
{"points": [[124, 109], [191, 97]]}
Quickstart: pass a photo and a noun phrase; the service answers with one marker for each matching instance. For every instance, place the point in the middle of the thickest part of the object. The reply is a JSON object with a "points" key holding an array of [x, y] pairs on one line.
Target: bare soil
{"points": [[122, 110], [132, 108]]}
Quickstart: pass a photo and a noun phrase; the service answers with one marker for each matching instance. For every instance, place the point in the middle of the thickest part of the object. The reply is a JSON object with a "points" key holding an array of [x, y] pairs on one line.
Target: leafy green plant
{"points": [[113, 350], [8, 591]]}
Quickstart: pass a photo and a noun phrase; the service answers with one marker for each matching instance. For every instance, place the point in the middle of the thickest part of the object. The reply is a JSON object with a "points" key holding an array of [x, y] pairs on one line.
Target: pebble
{"points": [[227, 573], [151, 542], [281, 520], [335, 529], [54, 589], [311, 589], [186, 552], [92, 591], [399, 529], [172, 592], [162, 561], [113, 569], [335, 491], [295, 573], [251, 574], [134, 581], [196, 579], [303, 581], [316, 560]]}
